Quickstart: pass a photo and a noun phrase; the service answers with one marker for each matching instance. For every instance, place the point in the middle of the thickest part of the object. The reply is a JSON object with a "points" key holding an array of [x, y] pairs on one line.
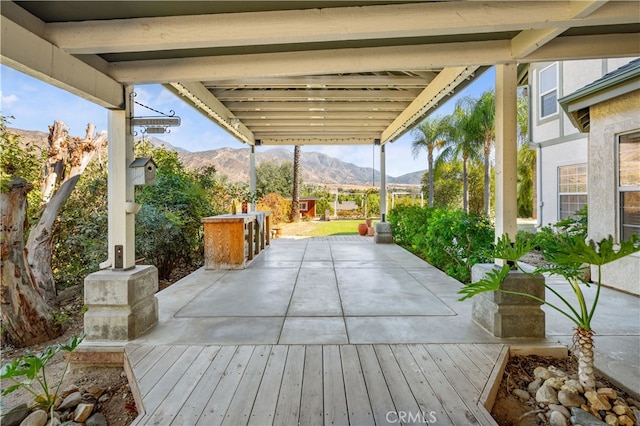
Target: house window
{"points": [[629, 184], [303, 206], [572, 189], [548, 89]]}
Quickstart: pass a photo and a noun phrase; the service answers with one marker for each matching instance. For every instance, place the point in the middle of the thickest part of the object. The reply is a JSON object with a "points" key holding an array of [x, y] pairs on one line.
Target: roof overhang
{"points": [[303, 72]]}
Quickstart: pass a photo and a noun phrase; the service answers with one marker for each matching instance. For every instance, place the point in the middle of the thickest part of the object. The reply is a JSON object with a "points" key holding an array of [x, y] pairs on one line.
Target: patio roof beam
{"points": [[312, 122], [284, 95], [316, 107], [200, 98], [328, 82], [334, 61], [305, 115], [319, 25], [25, 51], [528, 41], [314, 139]]}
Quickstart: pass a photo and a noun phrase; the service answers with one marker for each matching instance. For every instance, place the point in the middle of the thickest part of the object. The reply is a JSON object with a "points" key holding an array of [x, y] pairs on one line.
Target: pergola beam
{"points": [[321, 25], [283, 95], [25, 51], [314, 139], [306, 115], [317, 107], [329, 82]]}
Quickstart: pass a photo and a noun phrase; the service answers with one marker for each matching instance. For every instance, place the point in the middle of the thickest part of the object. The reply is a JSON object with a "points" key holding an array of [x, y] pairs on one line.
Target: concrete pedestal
{"points": [[382, 233], [509, 315], [121, 304]]}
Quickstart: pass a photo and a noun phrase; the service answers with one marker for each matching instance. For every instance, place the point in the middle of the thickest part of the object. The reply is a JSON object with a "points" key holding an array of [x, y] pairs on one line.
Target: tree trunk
{"points": [[431, 177], [465, 185], [26, 316], [67, 160], [295, 202], [487, 183], [586, 371]]}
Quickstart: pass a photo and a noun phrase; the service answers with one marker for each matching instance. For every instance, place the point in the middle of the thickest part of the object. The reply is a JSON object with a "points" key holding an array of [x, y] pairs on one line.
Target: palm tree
{"points": [[483, 118], [461, 143], [295, 194], [429, 135]]}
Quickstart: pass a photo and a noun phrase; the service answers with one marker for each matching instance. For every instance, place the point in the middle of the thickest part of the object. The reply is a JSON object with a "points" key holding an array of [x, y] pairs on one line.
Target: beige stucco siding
{"points": [[608, 120]]}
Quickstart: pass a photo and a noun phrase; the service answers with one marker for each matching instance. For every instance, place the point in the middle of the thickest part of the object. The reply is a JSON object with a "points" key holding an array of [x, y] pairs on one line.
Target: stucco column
{"points": [[120, 188], [252, 174], [383, 184], [506, 150]]}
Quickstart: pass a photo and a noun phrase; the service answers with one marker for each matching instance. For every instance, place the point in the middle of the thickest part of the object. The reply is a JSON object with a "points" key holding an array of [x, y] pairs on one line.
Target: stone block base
{"points": [[382, 233], [507, 315], [121, 305]]}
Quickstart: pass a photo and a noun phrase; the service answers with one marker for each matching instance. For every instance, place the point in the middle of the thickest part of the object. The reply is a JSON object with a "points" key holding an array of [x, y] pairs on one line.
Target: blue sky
{"points": [[35, 105]]}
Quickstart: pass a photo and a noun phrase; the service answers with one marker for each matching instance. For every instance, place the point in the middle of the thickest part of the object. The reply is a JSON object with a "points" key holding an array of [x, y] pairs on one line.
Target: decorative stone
{"points": [[557, 372], [557, 419], [572, 385], [555, 382], [570, 399], [534, 386], [95, 391], [621, 409], [625, 420], [522, 395], [542, 373], [37, 418], [607, 392], [71, 401], [611, 419], [16, 415], [82, 413], [547, 395], [561, 408], [68, 391], [54, 422], [98, 419], [581, 417], [597, 401]]}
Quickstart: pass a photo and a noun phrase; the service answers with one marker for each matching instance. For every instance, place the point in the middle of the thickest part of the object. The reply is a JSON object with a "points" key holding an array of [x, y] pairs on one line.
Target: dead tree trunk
{"points": [[26, 315], [67, 160]]}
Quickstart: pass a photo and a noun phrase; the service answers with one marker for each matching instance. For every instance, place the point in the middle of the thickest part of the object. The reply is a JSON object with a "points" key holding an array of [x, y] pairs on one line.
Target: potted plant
{"points": [[569, 255]]}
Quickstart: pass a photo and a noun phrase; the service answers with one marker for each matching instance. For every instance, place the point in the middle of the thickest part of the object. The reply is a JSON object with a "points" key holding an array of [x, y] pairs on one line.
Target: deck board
{"points": [[313, 385]]}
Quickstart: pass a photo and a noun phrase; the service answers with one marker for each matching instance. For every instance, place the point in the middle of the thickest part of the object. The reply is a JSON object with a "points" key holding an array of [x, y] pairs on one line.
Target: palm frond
{"points": [[491, 282]]}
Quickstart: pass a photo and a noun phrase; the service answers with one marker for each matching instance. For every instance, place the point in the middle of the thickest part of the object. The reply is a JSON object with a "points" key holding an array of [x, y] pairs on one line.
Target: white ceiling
{"points": [[303, 72]]}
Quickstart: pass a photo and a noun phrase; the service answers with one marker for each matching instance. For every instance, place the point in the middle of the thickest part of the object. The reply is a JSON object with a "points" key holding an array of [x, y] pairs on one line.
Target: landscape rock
{"points": [[570, 399], [612, 420], [534, 386], [37, 418], [547, 395], [557, 419], [572, 385], [556, 371], [104, 398], [597, 401], [82, 413], [561, 408], [555, 382], [68, 391], [522, 395], [54, 422], [16, 415], [621, 409], [625, 420], [581, 417], [98, 419], [607, 392], [71, 401], [542, 373], [95, 391]]}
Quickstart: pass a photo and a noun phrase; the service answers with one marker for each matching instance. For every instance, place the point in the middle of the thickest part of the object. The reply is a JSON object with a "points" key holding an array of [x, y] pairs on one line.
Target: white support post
{"points": [[252, 174], [506, 150], [120, 188], [383, 184]]}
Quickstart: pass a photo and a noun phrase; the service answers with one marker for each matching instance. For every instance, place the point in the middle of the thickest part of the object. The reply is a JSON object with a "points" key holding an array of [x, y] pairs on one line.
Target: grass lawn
{"points": [[320, 228]]}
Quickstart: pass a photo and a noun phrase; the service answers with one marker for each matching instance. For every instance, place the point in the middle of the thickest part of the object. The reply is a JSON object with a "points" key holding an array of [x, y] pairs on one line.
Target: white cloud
{"points": [[8, 100]]}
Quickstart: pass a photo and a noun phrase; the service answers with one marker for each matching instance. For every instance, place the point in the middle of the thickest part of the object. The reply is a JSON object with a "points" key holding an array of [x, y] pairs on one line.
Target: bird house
{"points": [[143, 171]]}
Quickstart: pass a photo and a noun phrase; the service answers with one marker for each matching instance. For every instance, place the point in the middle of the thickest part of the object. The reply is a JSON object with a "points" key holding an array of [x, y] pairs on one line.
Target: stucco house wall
{"points": [[609, 119]]}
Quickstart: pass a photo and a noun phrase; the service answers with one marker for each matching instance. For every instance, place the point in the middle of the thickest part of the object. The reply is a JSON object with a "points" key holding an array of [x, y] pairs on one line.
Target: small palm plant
{"points": [[569, 256]]}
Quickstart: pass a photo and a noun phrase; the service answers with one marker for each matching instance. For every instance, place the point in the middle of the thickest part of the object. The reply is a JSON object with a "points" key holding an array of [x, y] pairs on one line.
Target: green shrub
{"points": [[409, 225], [455, 241]]}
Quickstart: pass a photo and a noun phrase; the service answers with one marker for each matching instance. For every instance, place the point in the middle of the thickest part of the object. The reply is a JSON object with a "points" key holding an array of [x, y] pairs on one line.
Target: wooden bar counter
{"points": [[231, 240]]}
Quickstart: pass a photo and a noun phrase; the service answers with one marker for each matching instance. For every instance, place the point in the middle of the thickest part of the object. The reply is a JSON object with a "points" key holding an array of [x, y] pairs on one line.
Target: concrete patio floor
{"points": [[348, 290]]}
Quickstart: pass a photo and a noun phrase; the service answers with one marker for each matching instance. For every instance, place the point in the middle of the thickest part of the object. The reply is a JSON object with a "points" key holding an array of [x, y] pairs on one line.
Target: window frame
{"points": [[584, 193], [303, 206], [620, 190], [555, 88]]}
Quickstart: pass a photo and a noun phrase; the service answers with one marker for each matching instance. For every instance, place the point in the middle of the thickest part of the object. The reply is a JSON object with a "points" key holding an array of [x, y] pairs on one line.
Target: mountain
{"points": [[317, 168]]}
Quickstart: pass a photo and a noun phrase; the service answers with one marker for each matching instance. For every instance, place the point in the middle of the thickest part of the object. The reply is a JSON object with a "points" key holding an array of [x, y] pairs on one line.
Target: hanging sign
{"points": [[155, 121]]}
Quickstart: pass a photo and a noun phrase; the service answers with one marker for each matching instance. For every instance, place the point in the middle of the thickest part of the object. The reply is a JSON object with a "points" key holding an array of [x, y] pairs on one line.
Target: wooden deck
{"points": [[439, 384]]}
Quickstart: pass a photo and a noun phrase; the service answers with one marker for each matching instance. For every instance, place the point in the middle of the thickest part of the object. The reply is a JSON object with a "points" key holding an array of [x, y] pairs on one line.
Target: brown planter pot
{"points": [[362, 229]]}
